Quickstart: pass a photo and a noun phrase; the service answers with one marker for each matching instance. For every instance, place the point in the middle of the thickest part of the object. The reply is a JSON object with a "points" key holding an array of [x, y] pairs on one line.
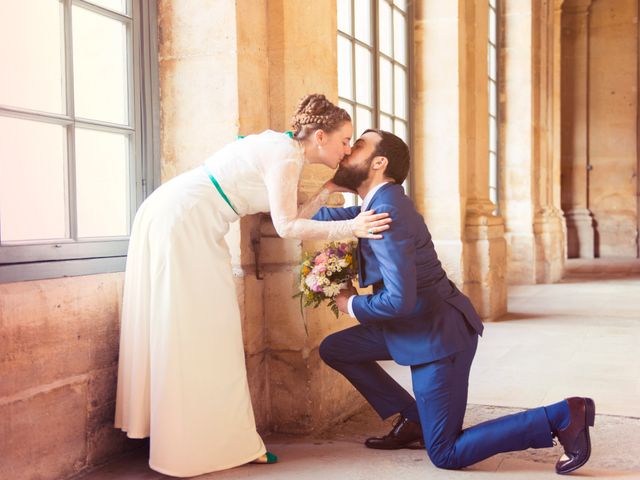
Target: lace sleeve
{"points": [[282, 185], [309, 208]]}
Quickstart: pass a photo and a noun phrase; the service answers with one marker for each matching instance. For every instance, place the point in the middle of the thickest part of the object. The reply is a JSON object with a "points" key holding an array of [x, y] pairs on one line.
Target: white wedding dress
{"points": [[181, 377]]}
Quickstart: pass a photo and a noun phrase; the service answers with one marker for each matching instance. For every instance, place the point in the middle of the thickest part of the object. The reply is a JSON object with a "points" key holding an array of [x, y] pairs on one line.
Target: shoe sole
{"points": [[590, 418]]}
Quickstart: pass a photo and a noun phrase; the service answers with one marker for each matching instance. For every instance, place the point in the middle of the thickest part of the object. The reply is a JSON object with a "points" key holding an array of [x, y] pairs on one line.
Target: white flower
{"points": [[332, 290]]}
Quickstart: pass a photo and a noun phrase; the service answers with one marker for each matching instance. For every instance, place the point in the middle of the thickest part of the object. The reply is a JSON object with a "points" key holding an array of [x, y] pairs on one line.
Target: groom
{"points": [[417, 317]]}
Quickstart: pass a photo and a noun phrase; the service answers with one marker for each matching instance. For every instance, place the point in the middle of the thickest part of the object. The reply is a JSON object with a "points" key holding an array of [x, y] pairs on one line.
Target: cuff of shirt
{"points": [[349, 307]]}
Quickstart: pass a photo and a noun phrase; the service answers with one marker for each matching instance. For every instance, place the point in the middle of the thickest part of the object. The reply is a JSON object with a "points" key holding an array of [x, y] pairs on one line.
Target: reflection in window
{"points": [[373, 69]]}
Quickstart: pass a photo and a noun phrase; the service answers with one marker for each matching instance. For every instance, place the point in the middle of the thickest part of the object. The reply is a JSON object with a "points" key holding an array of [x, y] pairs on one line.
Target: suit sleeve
{"points": [[395, 253], [327, 214]]}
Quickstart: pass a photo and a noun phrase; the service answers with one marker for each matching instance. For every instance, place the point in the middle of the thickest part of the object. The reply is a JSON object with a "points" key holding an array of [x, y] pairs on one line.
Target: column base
{"points": [[485, 261], [548, 229], [580, 233]]}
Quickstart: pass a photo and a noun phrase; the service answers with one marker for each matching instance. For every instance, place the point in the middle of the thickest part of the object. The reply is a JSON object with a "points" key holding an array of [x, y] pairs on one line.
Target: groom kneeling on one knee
{"points": [[417, 317]]}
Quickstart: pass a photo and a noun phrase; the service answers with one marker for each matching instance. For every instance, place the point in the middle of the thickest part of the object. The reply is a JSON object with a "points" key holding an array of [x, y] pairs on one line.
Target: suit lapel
{"points": [[359, 256]]}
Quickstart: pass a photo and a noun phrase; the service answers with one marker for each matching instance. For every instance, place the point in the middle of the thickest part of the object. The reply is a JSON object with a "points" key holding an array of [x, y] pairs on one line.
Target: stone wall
{"points": [[58, 365], [613, 117]]}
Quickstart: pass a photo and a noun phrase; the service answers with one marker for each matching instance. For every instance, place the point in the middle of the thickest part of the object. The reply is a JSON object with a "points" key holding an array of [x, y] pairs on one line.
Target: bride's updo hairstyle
{"points": [[315, 112]]}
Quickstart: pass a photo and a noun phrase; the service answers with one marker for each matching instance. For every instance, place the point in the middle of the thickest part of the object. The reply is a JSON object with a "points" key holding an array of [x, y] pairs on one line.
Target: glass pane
{"points": [[492, 26], [116, 5], [401, 130], [348, 108], [100, 67], [363, 120], [386, 123], [386, 86], [32, 55], [401, 92], [385, 29], [402, 4], [493, 136], [493, 3], [399, 37], [345, 67], [493, 195], [363, 20], [493, 65], [364, 76], [493, 99], [344, 16], [102, 183], [493, 170], [32, 181]]}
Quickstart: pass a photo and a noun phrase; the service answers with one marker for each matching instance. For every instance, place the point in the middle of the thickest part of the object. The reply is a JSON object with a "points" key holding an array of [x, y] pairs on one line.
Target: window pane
{"points": [[493, 99], [493, 136], [493, 66], [364, 76], [401, 130], [386, 123], [32, 181], [363, 119], [344, 16], [402, 4], [385, 28], [116, 5], [102, 175], [349, 109], [100, 65], [363, 20], [492, 26], [31, 55], [399, 37], [345, 66], [493, 170], [401, 92], [386, 86]]}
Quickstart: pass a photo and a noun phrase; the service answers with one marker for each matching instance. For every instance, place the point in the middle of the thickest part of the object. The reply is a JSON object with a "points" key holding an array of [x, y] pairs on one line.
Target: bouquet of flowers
{"points": [[324, 273]]}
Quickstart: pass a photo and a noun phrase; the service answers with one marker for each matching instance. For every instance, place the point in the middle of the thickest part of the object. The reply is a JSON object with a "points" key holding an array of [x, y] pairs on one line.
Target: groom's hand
{"points": [[342, 299]]}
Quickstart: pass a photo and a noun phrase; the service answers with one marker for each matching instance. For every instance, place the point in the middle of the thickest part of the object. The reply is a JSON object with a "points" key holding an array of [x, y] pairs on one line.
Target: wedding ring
{"points": [[370, 232]]}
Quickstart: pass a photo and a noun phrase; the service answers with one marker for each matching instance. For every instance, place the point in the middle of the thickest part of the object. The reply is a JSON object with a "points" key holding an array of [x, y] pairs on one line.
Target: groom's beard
{"points": [[352, 177]]}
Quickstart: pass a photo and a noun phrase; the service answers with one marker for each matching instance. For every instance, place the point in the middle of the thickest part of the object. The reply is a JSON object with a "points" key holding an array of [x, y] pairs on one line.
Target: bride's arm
{"points": [[282, 185]]}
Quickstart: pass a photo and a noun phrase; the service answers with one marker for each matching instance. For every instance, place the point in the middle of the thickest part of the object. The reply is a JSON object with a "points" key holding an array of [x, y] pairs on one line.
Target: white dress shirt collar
{"points": [[369, 196]]}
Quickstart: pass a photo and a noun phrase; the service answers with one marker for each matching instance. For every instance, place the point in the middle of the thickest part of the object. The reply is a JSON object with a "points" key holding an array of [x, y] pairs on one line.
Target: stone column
{"points": [[517, 138], [575, 128], [438, 193], [548, 222], [451, 166], [485, 254], [304, 394]]}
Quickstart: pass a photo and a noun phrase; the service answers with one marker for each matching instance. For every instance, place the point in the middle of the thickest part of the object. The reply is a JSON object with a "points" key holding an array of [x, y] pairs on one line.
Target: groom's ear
{"points": [[380, 163]]}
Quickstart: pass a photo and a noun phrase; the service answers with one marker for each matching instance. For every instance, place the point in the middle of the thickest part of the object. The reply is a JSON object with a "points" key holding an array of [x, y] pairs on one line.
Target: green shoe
{"points": [[266, 458]]}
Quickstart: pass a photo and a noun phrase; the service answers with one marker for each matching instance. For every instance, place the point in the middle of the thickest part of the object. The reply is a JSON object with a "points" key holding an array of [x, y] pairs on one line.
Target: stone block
{"points": [[43, 435]]}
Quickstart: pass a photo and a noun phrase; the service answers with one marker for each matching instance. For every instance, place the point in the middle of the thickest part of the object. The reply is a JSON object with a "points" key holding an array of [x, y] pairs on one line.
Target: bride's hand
{"points": [[334, 188], [370, 224]]}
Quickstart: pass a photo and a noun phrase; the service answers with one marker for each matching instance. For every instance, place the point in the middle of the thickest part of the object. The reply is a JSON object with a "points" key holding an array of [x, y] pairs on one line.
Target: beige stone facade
{"points": [[568, 186]]}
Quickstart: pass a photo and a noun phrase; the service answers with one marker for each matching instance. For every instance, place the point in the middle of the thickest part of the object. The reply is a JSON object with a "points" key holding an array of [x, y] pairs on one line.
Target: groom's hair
{"points": [[395, 151]]}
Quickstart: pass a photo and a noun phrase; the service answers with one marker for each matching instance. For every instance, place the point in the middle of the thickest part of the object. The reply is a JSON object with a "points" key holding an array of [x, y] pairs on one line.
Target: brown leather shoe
{"points": [[575, 437], [404, 434]]}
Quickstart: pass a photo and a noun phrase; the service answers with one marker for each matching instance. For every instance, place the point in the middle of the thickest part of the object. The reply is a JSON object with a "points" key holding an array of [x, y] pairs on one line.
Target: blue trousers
{"points": [[440, 390]]}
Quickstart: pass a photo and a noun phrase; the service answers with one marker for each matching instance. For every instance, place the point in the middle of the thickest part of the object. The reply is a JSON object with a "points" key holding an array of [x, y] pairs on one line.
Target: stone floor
{"points": [[578, 337]]}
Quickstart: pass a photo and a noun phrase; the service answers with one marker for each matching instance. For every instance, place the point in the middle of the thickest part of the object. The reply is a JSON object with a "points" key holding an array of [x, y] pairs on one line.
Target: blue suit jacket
{"points": [[423, 315]]}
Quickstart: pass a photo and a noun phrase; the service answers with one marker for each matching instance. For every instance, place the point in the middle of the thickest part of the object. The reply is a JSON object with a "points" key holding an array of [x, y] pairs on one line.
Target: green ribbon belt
{"points": [[219, 188], [288, 133]]}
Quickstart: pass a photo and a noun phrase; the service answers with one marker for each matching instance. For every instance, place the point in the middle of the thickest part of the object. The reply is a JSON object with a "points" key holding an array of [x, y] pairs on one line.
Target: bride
{"points": [[181, 376]]}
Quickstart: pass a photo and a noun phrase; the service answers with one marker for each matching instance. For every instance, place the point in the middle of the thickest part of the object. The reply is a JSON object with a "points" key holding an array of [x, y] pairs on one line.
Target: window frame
{"points": [[21, 261], [376, 55]]}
